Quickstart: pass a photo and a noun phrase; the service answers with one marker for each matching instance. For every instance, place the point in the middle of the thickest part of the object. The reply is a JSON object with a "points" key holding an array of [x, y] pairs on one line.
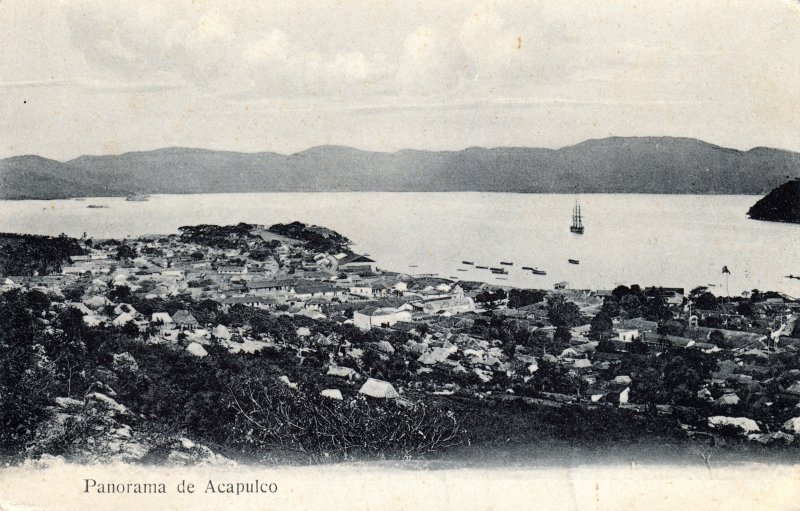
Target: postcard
{"points": [[399, 255]]}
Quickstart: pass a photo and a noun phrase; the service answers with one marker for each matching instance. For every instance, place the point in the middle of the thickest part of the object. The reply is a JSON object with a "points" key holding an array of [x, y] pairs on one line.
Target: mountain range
{"points": [[609, 165]]}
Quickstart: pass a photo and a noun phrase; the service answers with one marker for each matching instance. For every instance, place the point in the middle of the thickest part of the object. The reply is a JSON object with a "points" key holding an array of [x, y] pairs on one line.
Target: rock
{"points": [[105, 402], [179, 458], [385, 347], [186, 443], [745, 424], [124, 362], [44, 461], [287, 382], [343, 372], [99, 386], [728, 400], [378, 389], [303, 332], [123, 431], [221, 332], [197, 350], [332, 394], [792, 426], [68, 402]]}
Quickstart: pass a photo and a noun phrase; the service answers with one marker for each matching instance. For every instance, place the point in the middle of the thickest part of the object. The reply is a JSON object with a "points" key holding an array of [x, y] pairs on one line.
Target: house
{"points": [[361, 290], [447, 306], [260, 287], [162, 318], [356, 264], [184, 320], [232, 270], [316, 290], [257, 302], [382, 317], [627, 335]]}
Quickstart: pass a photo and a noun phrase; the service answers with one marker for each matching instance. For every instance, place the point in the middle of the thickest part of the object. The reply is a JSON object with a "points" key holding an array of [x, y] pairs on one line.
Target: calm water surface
{"points": [[669, 240]]}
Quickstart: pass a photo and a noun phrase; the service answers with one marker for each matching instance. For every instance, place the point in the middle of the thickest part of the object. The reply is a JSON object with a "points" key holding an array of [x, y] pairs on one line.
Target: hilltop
{"points": [[780, 205], [610, 165]]}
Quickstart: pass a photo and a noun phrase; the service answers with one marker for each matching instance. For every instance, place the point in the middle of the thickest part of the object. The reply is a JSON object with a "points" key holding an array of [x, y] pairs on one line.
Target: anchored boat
{"points": [[577, 220]]}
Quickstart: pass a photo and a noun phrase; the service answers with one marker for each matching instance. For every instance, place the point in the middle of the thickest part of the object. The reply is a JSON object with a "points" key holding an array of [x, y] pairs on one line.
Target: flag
{"points": [[725, 270]]}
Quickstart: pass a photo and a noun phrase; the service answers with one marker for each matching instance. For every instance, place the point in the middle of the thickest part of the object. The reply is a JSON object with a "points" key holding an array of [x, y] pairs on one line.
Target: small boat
{"points": [[527, 268], [499, 271], [536, 271], [574, 261], [482, 267], [467, 262], [96, 206], [462, 269], [412, 266], [793, 277], [501, 278], [506, 263]]}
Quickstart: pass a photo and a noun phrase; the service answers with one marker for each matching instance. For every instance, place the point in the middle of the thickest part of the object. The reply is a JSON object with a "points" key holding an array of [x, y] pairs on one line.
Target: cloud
{"points": [[216, 52]]}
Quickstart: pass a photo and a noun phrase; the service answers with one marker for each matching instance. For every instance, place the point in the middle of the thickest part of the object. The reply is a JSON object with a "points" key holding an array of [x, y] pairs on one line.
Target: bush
{"points": [[269, 415]]}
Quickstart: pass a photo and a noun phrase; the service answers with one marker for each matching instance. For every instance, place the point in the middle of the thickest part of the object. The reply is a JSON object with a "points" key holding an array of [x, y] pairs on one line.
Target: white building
{"points": [[627, 335], [370, 317]]}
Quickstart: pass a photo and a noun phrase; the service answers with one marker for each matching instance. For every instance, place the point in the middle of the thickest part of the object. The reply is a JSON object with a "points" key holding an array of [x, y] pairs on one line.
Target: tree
{"points": [[717, 338], [671, 327], [125, 251], [521, 297], [560, 312], [706, 301], [648, 387], [490, 298], [606, 346], [601, 325], [562, 336]]}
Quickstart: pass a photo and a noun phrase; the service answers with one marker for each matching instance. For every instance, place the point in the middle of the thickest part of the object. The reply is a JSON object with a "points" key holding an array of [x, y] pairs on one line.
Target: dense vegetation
{"points": [[27, 254], [216, 236], [318, 239], [780, 205]]}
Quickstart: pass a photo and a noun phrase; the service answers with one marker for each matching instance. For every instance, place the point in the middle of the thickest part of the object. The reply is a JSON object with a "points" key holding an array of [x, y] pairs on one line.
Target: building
{"points": [[261, 287], [232, 270], [257, 302], [356, 263], [447, 306], [184, 320], [307, 291], [627, 335], [379, 317]]}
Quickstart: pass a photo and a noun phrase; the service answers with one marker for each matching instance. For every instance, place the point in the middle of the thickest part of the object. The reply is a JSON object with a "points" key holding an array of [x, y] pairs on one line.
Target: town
{"points": [[234, 335]]}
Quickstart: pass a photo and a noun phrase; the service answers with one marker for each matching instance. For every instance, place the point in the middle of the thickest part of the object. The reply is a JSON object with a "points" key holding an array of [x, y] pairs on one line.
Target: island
{"points": [[780, 205], [225, 345]]}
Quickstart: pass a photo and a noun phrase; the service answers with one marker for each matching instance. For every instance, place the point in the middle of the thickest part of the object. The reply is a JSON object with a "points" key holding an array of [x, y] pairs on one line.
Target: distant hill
{"points": [[780, 205], [611, 165]]}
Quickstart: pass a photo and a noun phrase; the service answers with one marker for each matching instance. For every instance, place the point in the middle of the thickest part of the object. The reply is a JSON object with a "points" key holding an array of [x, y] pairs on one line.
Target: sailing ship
{"points": [[577, 221]]}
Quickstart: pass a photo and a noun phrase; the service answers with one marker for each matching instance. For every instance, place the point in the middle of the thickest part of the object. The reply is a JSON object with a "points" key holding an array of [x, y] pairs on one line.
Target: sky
{"points": [[105, 77]]}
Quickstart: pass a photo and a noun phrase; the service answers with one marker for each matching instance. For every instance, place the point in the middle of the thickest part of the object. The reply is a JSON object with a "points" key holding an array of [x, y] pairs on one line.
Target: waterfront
{"points": [[669, 240]]}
